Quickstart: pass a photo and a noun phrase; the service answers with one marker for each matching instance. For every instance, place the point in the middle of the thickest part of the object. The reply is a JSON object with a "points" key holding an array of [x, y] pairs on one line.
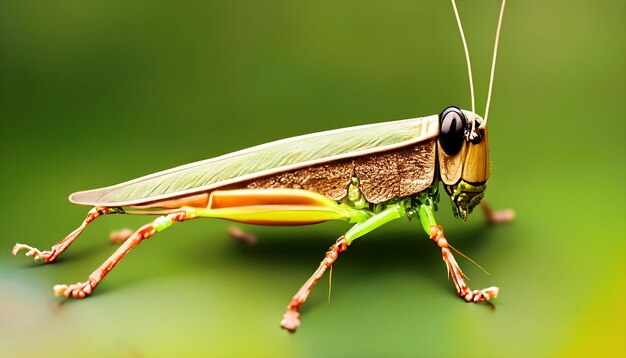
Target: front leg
{"points": [[435, 232], [469, 295]]}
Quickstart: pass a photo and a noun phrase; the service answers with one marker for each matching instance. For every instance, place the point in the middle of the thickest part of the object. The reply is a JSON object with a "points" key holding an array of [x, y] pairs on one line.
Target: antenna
{"points": [[493, 63], [467, 56]]}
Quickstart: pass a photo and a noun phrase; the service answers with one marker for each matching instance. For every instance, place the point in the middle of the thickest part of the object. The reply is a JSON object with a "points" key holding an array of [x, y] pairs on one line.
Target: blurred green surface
{"points": [[95, 93]]}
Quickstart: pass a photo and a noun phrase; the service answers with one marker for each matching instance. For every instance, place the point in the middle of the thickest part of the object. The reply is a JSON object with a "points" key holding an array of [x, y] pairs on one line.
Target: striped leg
{"points": [[57, 249]]}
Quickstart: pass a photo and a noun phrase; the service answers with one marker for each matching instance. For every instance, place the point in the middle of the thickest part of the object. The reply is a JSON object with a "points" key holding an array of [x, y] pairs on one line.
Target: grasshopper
{"points": [[366, 175]]}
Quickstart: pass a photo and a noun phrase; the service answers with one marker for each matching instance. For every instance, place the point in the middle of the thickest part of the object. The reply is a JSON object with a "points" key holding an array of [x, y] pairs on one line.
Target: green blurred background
{"points": [[95, 93]]}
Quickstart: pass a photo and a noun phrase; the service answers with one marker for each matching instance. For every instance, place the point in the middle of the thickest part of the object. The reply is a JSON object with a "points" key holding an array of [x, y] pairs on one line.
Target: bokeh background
{"points": [[95, 93]]}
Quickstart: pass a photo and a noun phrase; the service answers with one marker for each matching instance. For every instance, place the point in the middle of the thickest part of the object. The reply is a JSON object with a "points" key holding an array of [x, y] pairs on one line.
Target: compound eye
{"points": [[452, 125]]}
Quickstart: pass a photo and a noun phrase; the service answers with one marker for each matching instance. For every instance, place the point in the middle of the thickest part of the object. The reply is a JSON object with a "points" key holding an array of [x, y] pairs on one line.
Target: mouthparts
{"points": [[465, 197]]}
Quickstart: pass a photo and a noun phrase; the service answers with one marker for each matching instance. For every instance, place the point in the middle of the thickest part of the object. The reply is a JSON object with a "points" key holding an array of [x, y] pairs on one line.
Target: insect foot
{"points": [[482, 295], [33, 252], [291, 320], [77, 290]]}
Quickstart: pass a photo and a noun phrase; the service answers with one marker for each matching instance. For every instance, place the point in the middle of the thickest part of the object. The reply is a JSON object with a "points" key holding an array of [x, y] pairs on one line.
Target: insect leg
{"points": [[495, 217], [83, 289], [436, 234], [291, 318], [58, 248]]}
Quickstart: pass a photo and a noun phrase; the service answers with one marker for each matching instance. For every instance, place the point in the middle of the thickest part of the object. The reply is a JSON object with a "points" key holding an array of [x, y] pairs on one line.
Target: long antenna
{"points": [[467, 56], [493, 63]]}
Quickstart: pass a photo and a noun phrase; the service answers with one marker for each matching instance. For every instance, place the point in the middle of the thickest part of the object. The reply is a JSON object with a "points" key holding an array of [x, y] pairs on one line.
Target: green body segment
{"points": [[365, 220], [427, 207], [286, 214], [426, 214], [321, 209], [276, 207], [161, 223], [266, 159], [389, 213]]}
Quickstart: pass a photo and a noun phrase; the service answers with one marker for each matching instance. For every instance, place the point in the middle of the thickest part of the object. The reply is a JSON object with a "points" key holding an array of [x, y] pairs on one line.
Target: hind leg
{"points": [[83, 289], [58, 248]]}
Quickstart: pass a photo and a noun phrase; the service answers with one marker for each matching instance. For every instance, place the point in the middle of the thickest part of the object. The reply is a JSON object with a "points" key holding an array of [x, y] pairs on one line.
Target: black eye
{"points": [[452, 123]]}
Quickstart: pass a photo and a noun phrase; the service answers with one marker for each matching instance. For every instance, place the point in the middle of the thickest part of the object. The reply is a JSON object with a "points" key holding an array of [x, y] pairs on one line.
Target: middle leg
{"points": [[291, 318]]}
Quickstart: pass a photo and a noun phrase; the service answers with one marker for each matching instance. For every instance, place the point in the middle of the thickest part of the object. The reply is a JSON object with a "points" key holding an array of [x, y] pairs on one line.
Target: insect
{"points": [[366, 175]]}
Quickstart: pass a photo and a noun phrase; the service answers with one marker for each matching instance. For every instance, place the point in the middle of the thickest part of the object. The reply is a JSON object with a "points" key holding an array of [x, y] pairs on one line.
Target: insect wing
{"points": [[275, 157]]}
